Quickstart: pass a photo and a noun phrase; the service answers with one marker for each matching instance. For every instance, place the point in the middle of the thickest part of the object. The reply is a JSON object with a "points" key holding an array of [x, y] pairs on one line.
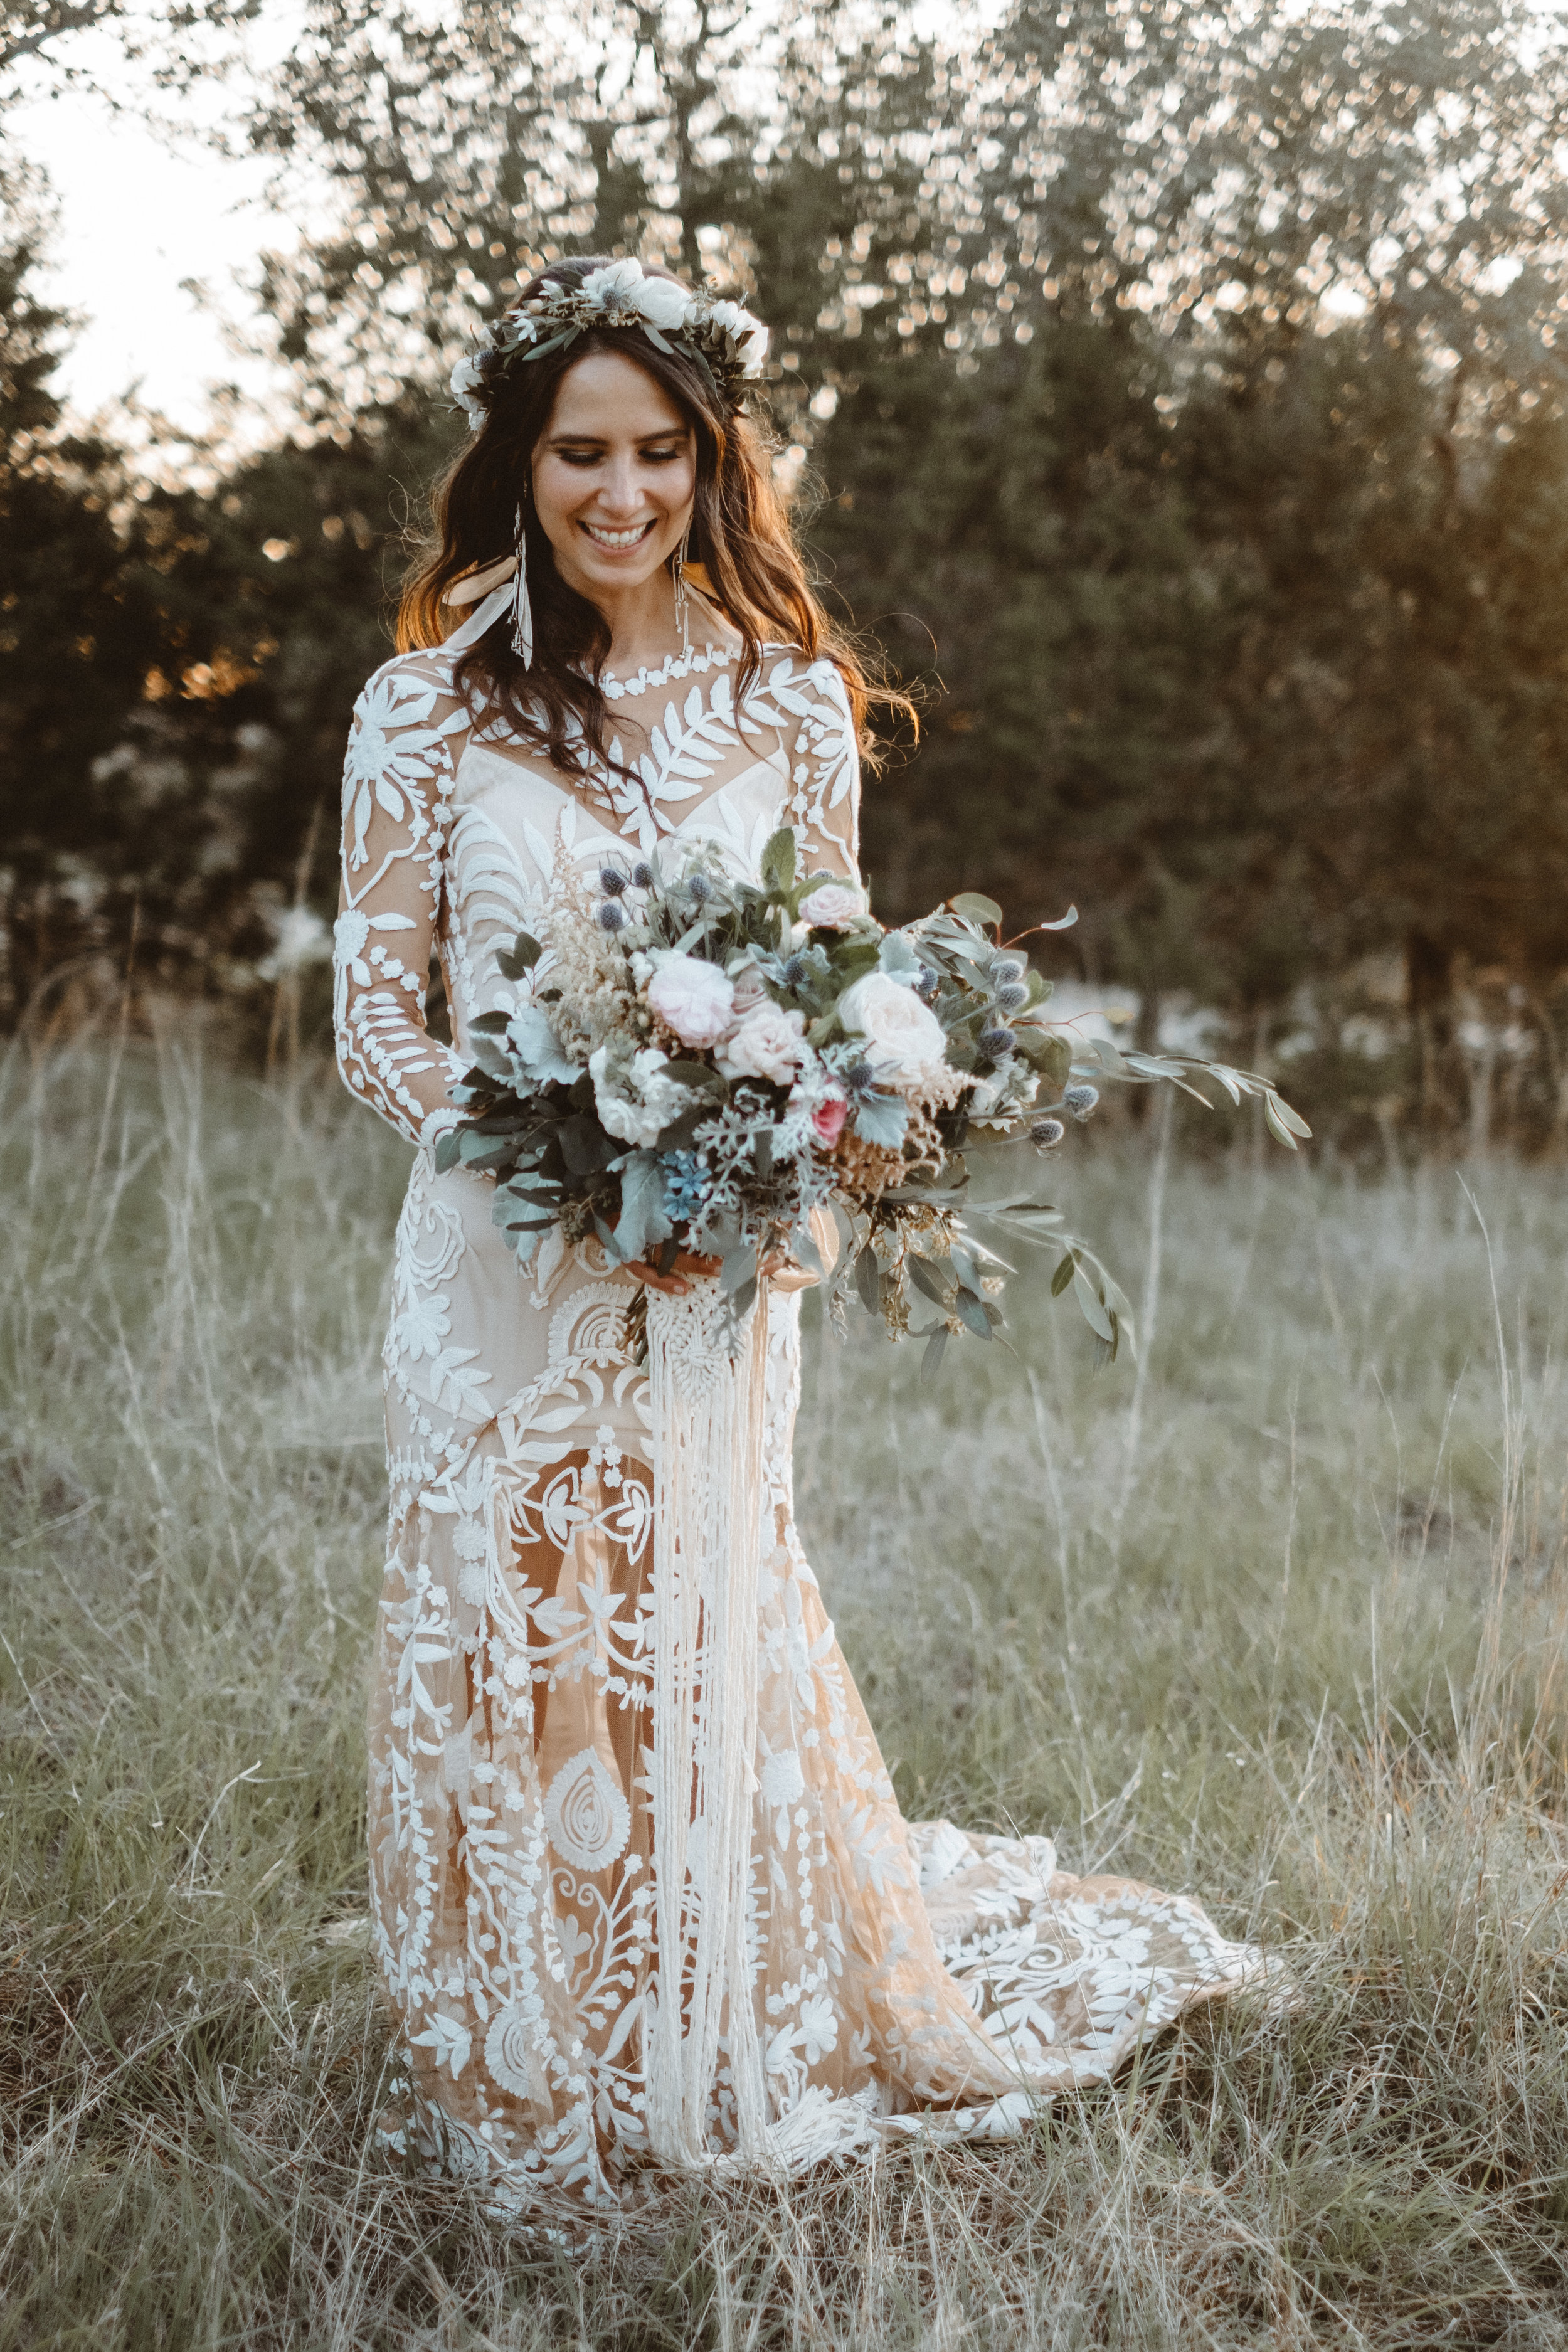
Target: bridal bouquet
{"points": [[700, 1061]]}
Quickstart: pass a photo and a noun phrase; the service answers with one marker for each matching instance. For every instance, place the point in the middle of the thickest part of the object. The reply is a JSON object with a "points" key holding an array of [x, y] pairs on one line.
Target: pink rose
{"points": [[832, 907], [828, 1119], [768, 1044], [694, 998]]}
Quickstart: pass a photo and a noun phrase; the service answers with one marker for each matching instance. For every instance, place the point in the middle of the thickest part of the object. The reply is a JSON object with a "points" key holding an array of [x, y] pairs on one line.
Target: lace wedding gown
{"points": [[894, 1976]]}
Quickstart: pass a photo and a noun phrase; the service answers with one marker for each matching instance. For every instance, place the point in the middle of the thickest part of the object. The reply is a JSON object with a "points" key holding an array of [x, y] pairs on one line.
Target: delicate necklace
{"points": [[673, 666]]}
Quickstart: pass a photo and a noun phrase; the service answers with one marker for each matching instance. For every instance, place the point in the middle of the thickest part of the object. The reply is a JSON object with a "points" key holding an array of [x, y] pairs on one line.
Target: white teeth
{"points": [[618, 537]]}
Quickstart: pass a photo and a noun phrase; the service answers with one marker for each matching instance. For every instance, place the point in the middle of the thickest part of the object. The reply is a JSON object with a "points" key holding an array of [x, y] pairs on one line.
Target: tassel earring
{"points": [[522, 610], [682, 596]]}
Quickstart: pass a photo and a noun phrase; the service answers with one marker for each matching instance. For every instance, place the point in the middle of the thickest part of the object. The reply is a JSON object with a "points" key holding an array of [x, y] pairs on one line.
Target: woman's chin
{"points": [[605, 575]]}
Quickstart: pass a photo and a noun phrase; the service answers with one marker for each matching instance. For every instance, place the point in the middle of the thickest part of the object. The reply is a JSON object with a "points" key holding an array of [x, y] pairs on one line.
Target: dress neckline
{"points": [[674, 666]]}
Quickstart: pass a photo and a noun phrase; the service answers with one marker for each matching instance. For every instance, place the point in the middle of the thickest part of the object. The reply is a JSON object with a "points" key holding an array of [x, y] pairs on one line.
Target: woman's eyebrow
{"points": [[600, 440]]}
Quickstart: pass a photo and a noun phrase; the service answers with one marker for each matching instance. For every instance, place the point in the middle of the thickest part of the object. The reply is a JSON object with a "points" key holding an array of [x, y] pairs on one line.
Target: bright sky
{"points": [[137, 219]]}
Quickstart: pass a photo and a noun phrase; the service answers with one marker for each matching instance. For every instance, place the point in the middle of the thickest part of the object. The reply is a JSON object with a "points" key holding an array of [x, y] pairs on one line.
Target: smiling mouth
{"points": [[616, 540]]}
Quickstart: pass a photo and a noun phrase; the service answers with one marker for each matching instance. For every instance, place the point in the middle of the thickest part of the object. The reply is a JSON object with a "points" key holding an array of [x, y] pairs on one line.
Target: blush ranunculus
{"points": [[749, 988], [904, 1039], [694, 998], [828, 1119], [832, 907], [767, 1043]]}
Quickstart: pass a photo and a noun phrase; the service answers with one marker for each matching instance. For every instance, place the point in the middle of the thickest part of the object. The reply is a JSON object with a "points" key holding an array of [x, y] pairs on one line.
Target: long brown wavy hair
{"points": [[740, 532]]}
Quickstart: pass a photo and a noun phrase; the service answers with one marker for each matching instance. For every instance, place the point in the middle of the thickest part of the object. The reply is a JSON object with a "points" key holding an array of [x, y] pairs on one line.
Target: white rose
{"points": [[768, 1044], [662, 303], [748, 332], [616, 287], [640, 1106], [904, 1038], [832, 908], [697, 998]]}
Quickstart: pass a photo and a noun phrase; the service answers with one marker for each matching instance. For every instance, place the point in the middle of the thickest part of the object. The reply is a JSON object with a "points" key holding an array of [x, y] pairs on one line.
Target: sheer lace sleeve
{"points": [[402, 756], [824, 769]]}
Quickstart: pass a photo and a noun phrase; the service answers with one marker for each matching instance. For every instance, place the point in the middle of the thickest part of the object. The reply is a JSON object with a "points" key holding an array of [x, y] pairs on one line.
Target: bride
{"points": [[613, 644]]}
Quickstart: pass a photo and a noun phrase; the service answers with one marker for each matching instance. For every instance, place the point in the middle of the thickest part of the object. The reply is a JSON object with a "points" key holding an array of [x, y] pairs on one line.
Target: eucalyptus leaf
{"points": [[521, 957], [867, 1280], [804, 1250], [970, 1310], [1045, 1051], [1063, 1275], [964, 1267], [1089, 1307], [931, 1362], [1276, 1125], [740, 1266], [923, 1278], [976, 907]]}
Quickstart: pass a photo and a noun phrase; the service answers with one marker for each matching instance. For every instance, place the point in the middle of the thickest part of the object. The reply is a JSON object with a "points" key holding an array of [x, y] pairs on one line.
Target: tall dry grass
{"points": [[1278, 1615]]}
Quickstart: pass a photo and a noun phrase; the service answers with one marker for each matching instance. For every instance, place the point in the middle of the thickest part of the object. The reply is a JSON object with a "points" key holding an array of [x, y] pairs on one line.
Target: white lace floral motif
{"points": [[896, 1978]]}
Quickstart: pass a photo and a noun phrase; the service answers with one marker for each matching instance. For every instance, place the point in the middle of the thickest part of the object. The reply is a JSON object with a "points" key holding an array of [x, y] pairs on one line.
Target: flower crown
{"points": [[726, 342]]}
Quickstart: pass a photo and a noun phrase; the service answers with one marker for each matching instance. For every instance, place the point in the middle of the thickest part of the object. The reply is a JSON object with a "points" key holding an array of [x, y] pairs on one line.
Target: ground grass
{"points": [[1278, 1616]]}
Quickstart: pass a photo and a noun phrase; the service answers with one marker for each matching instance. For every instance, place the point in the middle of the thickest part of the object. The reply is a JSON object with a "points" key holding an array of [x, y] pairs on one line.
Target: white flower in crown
{"points": [[748, 334], [662, 304], [617, 289], [467, 378]]}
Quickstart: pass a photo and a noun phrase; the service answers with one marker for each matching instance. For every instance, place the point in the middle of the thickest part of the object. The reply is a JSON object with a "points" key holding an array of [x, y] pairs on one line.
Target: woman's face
{"points": [[613, 473]]}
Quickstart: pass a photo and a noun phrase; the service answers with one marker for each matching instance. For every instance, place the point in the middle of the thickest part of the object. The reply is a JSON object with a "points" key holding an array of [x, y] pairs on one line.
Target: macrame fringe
{"points": [[709, 1408]]}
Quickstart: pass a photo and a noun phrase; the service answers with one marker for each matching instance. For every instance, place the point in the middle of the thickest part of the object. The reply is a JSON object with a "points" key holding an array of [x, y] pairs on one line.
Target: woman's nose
{"points": [[620, 491]]}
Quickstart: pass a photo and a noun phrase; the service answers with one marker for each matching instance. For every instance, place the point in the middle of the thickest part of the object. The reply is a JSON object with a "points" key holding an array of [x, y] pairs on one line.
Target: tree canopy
{"points": [[1173, 394]]}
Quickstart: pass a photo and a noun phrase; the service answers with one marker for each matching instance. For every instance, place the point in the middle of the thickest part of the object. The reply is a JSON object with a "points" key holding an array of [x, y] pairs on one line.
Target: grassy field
{"points": [[1278, 1616]]}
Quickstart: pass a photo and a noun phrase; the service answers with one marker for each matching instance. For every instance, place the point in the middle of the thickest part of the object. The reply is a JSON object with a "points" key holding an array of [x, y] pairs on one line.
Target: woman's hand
{"points": [[778, 1269], [673, 1284]]}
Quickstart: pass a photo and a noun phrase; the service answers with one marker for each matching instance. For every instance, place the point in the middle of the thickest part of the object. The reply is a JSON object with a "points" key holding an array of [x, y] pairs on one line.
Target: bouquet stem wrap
{"points": [[708, 1379]]}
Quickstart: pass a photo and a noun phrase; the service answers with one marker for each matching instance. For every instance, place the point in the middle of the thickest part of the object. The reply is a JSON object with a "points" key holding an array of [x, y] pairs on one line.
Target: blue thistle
{"points": [[1008, 967], [612, 880], [995, 1042], [687, 1184], [794, 972], [701, 888], [927, 983], [1081, 1099], [861, 1079], [1045, 1134], [642, 876], [1012, 996], [612, 915]]}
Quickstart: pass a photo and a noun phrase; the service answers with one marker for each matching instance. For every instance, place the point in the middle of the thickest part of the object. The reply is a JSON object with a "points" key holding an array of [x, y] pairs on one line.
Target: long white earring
{"points": [[682, 599], [522, 610]]}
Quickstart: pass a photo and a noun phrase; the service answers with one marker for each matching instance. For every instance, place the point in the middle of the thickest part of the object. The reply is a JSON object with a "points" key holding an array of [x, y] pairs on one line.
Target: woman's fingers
{"points": [[687, 1262], [785, 1274], [778, 1268]]}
